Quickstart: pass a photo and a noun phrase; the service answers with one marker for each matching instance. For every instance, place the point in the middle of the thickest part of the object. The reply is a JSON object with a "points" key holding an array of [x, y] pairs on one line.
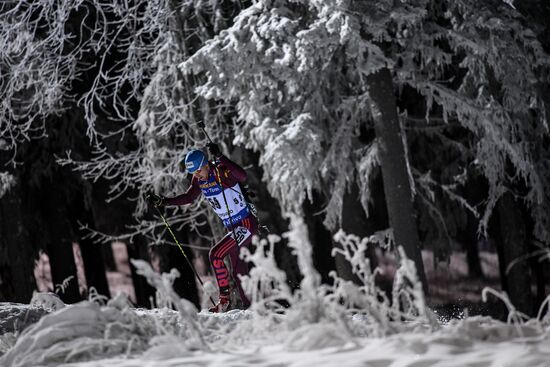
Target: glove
{"points": [[214, 150], [155, 200]]}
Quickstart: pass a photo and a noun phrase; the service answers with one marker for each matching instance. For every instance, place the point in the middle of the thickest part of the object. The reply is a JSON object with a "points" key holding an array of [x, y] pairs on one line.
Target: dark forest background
{"points": [[49, 205]]}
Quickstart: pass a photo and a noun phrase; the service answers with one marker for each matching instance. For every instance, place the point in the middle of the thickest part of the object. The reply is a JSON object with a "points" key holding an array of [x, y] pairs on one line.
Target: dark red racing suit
{"points": [[229, 203]]}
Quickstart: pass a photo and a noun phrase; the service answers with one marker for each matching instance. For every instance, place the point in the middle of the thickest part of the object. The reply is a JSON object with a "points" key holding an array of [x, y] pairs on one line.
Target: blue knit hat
{"points": [[194, 160]]}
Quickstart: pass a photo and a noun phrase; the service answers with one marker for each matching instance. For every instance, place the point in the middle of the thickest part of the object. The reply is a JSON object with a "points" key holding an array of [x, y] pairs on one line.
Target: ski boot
{"points": [[224, 304]]}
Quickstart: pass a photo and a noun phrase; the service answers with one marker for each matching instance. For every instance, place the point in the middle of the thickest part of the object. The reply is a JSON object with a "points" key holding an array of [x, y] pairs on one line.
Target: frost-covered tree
{"points": [[117, 61], [112, 62], [300, 78], [298, 72], [122, 58]]}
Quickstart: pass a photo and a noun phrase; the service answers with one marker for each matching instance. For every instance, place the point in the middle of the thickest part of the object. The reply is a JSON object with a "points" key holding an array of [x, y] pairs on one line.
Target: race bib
{"points": [[232, 208], [241, 235]]}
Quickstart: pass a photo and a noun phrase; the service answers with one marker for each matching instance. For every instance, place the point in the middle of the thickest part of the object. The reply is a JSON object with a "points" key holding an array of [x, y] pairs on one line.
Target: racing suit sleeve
{"points": [[187, 197], [233, 169]]}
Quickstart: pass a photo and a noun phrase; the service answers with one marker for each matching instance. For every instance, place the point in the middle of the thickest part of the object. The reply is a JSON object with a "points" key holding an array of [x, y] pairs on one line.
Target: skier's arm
{"points": [[236, 171], [187, 197]]}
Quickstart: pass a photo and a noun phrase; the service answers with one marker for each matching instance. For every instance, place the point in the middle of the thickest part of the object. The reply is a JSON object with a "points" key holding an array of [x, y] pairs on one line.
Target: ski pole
{"points": [[183, 252], [203, 127]]}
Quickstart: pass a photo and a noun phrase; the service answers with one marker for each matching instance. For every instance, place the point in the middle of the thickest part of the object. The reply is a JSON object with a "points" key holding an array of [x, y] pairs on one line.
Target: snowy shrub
{"points": [[6, 182], [542, 316], [515, 317], [290, 315], [47, 301], [188, 311], [88, 331], [14, 318], [315, 317], [517, 325], [94, 296], [408, 301], [266, 285], [313, 314], [78, 332], [487, 329]]}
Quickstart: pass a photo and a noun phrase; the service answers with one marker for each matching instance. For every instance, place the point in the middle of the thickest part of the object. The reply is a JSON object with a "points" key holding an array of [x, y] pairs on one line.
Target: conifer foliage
{"points": [[297, 72], [288, 79]]}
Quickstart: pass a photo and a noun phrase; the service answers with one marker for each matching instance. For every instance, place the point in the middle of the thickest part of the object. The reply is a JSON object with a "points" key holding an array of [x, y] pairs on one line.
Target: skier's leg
{"points": [[216, 255], [228, 246], [239, 266]]}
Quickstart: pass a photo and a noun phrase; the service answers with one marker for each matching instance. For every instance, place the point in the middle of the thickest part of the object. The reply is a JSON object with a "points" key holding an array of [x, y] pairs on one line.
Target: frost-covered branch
{"points": [[7, 181], [163, 284], [308, 76]]}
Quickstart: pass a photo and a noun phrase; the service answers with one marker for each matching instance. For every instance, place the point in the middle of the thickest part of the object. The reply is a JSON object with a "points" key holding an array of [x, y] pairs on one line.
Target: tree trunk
{"points": [[63, 270], [92, 253], [94, 266], [17, 281], [319, 237], [355, 221], [144, 292], [108, 257], [399, 200], [470, 240], [474, 192], [185, 285], [114, 224], [537, 266], [513, 245], [60, 244]]}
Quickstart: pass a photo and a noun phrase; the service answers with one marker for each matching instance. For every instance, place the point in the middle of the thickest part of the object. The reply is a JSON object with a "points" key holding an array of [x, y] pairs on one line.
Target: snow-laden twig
{"points": [[61, 288], [163, 284], [514, 316], [7, 181]]}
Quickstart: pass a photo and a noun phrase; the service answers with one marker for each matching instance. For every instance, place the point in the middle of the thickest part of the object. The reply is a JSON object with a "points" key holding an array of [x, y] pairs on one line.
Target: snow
{"points": [[87, 334], [315, 329], [47, 301]]}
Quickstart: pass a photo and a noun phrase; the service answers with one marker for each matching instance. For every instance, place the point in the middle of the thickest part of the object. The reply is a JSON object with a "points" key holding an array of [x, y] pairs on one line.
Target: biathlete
{"points": [[219, 182]]}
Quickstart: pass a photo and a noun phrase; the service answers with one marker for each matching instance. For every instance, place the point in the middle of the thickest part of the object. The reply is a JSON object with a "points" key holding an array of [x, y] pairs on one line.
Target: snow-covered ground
{"points": [[344, 324], [87, 334]]}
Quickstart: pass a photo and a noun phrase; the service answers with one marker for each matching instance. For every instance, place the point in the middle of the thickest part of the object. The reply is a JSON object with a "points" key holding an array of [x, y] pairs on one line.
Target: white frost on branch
{"points": [[276, 68], [164, 285], [7, 181], [368, 162], [293, 72]]}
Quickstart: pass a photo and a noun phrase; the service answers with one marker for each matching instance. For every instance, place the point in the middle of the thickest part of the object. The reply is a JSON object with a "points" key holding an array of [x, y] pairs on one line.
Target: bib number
{"points": [[230, 206], [229, 203], [215, 203], [241, 235]]}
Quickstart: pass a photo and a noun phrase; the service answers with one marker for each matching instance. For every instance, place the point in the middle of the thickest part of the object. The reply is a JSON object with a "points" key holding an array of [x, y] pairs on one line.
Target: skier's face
{"points": [[202, 173]]}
